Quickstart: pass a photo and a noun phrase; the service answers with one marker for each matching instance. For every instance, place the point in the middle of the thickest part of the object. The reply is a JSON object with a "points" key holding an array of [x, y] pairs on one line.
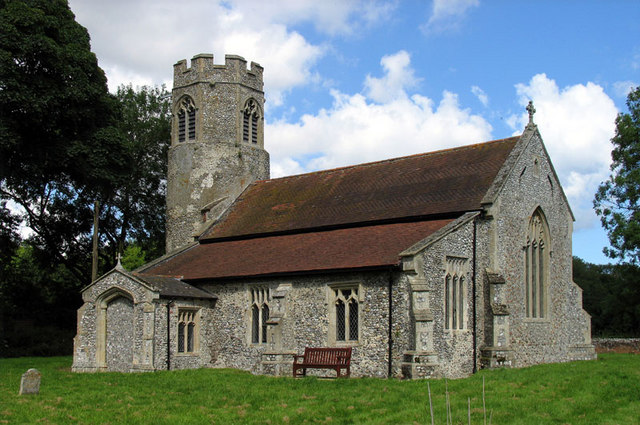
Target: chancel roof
{"points": [[442, 182], [350, 218]]}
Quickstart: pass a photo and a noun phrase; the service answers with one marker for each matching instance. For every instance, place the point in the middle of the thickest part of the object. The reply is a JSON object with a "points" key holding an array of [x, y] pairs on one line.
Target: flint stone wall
{"points": [[564, 334], [305, 321]]}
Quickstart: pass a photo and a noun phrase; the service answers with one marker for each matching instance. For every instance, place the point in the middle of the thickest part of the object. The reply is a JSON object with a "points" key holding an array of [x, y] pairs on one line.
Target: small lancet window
{"points": [[186, 120], [250, 121], [536, 257]]}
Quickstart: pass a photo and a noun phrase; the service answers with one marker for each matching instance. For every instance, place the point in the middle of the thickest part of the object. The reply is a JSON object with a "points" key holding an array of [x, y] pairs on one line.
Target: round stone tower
{"points": [[217, 142]]}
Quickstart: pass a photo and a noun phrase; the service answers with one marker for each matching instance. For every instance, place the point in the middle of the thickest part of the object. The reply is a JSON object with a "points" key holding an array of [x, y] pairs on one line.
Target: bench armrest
{"points": [[297, 357]]}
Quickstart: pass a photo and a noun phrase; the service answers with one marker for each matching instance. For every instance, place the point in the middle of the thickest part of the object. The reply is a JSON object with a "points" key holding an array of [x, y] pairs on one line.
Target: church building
{"points": [[430, 265]]}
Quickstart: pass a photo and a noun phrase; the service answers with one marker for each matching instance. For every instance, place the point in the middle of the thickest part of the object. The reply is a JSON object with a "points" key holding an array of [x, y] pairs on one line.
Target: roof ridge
{"points": [[366, 164]]}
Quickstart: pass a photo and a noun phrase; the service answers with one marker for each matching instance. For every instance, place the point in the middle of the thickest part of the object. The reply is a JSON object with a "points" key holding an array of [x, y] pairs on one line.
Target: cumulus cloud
{"points": [[448, 14], [149, 34], [370, 126], [398, 76], [576, 123], [333, 17]]}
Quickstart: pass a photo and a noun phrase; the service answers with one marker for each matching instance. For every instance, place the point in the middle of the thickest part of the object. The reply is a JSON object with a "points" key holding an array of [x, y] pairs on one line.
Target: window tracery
{"points": [[250, 121], [536, 261], [260, 299], [186, 331], [186, 120], [455, 293]]}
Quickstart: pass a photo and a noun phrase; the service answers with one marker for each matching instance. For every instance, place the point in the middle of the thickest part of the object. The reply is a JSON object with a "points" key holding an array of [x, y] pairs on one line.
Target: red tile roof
{"points": [[348, 218], [340, 249], [442, 182]]}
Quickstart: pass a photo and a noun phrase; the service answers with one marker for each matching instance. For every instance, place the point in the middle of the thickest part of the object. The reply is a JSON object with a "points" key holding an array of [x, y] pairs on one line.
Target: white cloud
{"points": [[333, 17], [481, 95], [398, 77], [448, 14], [368, 127], [146, 35], [576, 123]]}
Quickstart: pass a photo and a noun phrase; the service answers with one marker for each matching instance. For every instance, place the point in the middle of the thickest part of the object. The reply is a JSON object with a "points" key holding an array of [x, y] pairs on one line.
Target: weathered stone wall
{"points": [[564, 333], [453, 348], [103, 318], [302, 307], [122, 326], [210, 172]]}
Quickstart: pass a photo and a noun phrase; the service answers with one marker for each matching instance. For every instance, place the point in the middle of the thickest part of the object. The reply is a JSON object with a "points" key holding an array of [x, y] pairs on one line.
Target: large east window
{"points": [[536, 260]]}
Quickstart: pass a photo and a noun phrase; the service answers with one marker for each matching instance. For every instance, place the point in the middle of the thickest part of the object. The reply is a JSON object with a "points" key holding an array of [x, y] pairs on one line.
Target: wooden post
{"points": [[94, 263]]}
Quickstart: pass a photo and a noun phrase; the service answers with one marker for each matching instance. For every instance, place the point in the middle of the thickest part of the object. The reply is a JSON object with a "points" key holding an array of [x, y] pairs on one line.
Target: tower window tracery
{"points": [[250, 121], [186, 120]]}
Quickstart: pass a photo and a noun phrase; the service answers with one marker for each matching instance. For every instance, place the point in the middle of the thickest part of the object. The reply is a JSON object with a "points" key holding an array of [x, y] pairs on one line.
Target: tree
{"points": [[610, 296], [58, 145], [134, 212], [64, 143], [617, 201]]}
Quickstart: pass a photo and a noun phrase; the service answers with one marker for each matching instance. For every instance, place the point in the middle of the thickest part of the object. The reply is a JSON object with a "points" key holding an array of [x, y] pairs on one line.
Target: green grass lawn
{"points": [[606, 391]]}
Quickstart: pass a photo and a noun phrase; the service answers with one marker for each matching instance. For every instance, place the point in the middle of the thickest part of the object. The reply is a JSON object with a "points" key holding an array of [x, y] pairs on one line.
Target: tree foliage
{"points": [[611, 296], [65, 142], [135, 209], [617, 201]]}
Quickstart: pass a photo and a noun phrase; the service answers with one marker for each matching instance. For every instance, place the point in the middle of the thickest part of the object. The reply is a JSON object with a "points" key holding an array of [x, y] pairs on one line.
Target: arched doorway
{"points": [[119, 334]]}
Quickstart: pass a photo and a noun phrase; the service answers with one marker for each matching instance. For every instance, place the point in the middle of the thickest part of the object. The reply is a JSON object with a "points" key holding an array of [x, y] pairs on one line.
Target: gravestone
{"points": [[30, 382]]}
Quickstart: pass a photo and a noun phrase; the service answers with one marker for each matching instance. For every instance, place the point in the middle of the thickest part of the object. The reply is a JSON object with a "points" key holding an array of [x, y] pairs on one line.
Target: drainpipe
{"points": [[473, 295], [390, 344], [169, 304]]}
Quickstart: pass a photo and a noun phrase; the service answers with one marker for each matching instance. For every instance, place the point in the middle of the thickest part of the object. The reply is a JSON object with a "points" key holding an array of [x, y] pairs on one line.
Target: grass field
{"points": [[606, 391]]}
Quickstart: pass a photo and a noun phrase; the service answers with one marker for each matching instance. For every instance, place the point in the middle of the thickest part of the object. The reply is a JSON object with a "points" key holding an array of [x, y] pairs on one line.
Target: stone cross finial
{"points": [[531, 110], [119, 264]]}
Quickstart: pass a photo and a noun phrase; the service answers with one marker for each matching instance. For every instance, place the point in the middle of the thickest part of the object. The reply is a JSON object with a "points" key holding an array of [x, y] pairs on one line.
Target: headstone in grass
{"points": [[30, 382]]}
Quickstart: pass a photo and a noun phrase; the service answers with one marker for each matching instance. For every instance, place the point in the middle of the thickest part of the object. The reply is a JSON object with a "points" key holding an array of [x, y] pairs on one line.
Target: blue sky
{"points": [[355, 81]]}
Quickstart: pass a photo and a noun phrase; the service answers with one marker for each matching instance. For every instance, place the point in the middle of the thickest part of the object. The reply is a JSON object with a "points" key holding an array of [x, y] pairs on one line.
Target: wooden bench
{"points": [[323, 358]]}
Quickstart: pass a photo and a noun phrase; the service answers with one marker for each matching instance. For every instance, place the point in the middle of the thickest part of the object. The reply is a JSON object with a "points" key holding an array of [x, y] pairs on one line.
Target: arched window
{"points": [[186, 120], [250, 121], [454, 293], [346, 314], [536, 260], [186, 331], [260, 298]]}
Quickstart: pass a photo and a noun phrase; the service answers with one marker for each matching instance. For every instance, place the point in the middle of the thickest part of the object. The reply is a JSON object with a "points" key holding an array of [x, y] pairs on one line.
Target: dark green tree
{"points": [[134, 211], [611, 296], [64, 143], [617, 201], [59, 147]]}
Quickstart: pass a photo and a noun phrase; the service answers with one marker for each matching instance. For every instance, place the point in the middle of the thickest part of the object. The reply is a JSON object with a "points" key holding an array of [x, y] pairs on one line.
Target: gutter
{"points": [[169, 304], [473, 295], [390, 335]]}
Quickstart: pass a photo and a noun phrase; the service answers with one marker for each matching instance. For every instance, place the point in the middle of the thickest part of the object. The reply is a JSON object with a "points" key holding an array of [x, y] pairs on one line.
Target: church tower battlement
{"points": [[217, 142]]}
